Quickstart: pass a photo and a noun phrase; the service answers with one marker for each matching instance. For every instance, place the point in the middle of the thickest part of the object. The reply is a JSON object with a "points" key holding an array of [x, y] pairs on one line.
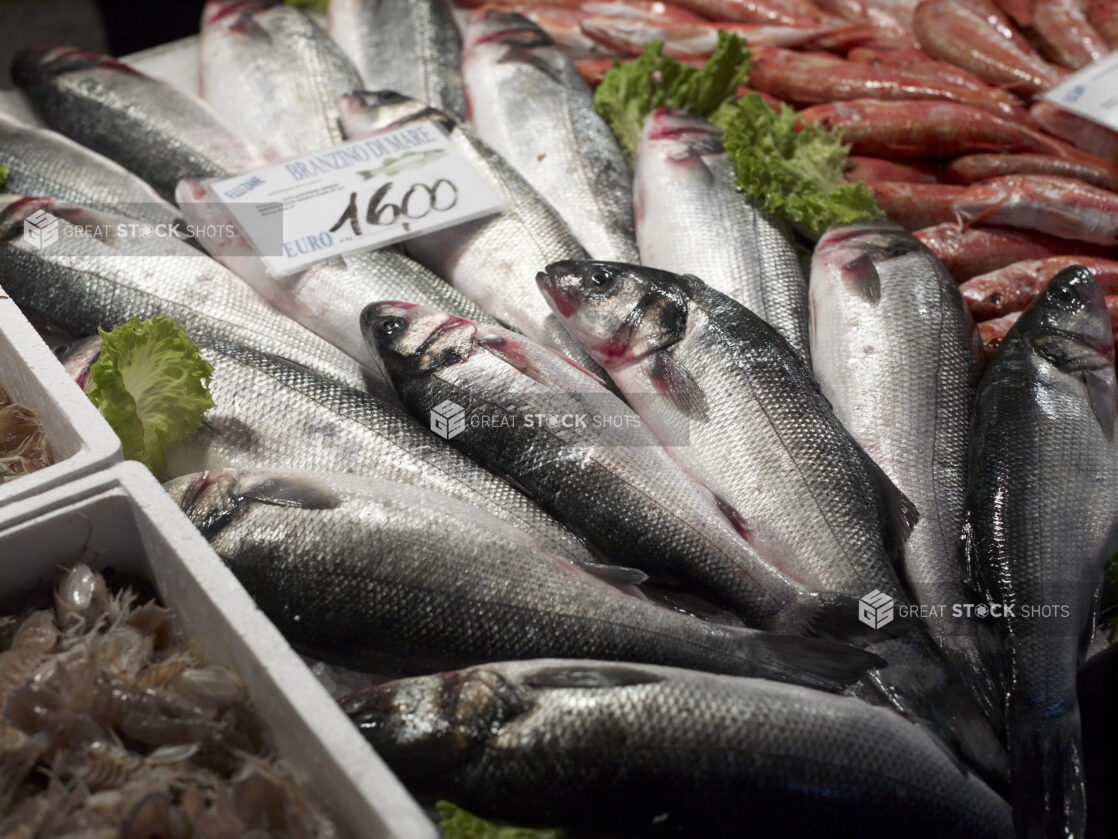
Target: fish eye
{"points": [[62, 350], [390, 326], [600, 279]]}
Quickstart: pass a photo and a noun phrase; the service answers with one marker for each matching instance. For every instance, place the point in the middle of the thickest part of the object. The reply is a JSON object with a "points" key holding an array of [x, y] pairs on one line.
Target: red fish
{"points": [[1014, 287], [914, 206], [968, 252]]}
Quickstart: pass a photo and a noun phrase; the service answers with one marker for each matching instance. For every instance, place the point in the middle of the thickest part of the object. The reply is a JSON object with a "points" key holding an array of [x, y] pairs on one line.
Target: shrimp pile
{"points": [[23, 443], [111, 726]]}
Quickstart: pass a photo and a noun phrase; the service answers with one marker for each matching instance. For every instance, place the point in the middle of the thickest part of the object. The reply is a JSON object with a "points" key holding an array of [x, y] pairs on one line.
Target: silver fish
{"points": [[576, 448], [371, 573], [145, 125], [1043, 522], [531, 105], [637, 751], [897, 355], [692, 219], [410, 46], [492, 260], [43, 162], [274, 74], [92, 277]]}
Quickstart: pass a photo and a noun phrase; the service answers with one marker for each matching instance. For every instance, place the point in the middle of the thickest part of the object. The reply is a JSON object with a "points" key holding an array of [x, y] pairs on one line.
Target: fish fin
{"points": [[812, 662], [600, 676], [287, 491], [898, 514], [833, 615], [1046, 753], [675, 381], [511, 354], [861, 274], [1101, 397], [615, 575], [967, 221]]}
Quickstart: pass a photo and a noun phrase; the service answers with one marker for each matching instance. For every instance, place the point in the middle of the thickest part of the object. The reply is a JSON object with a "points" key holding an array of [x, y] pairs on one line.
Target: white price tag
{"points": [[362, 194], [1091, 92]]}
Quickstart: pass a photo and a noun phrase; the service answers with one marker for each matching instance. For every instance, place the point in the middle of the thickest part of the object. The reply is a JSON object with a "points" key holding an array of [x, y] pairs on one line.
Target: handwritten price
{"points": [[419, 201]]}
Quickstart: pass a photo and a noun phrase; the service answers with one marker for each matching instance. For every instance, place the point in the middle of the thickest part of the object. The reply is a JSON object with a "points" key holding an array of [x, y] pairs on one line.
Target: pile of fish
{"points": [[23, 441], [651, 533], [111, 725]]}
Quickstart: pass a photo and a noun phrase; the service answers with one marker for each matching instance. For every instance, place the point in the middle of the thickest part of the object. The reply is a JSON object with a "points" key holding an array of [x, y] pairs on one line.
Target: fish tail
{"points": [[1046, 755], [826, 665]]}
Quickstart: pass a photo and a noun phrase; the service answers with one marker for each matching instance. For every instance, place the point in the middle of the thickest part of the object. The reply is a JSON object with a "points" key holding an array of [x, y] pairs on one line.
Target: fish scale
{"points": [[531, 105]]}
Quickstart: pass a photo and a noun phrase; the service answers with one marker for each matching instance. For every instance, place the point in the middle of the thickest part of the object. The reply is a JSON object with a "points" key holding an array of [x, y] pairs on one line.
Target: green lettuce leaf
{"points": [[797, 174], [319, 6], [457, 823], [152, 386], [632, 90], [4, 172]]}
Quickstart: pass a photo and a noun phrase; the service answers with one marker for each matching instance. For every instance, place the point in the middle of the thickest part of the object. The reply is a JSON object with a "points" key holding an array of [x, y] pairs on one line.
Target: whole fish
{"points": [[410, 46], [100, 278], [1103, 15], [930, 129], [328, 297], [695, 39], [644, 751], [43, 162], [1064, 207], [802, 13], [492, 261], [269, 412], [1043, 483], [861, 168], [897, 355], [274, 74], [529, 103], [1013, 288], [916, 205], [970, 251], [917, 62], [1066, 35], [604, 475], [1085, 134], [692, 219], [976, 35], [370, 573], [816, 78], [978, 167], [145, 125]]}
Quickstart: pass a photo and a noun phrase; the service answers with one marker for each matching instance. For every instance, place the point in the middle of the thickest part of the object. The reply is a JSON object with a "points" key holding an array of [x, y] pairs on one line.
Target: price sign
{"points": [[1091, 92]]}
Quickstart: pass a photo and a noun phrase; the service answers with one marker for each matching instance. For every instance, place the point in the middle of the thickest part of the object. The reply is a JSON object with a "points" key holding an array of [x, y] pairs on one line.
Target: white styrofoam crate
{"points": [[123, 518], [80, 438]]}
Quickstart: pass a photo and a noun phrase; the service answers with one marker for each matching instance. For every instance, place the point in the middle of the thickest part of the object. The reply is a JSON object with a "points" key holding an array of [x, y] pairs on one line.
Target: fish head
{"points": [[427, 728], [851, 254], [209, 499], [1068, 324], [367, 112], [232, 14], [514, 39], [78, 356], [619, 313], [414, 340], [39, 65], [683, 136]]}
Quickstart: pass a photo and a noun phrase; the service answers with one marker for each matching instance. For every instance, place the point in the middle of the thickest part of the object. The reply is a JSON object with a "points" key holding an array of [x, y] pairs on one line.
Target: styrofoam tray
{"points": [[81, 439], [122, 517]]}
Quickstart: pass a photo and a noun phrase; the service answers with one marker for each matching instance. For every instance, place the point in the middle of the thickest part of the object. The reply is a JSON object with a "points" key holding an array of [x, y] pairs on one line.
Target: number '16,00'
{"points": [[417, 203]]}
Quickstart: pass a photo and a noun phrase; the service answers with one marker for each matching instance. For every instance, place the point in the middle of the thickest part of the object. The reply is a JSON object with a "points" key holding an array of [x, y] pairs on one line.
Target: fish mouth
{"points": [[548, 283]]}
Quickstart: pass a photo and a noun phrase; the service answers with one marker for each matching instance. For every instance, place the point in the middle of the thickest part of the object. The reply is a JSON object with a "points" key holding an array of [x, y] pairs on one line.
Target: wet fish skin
{"points": [[1042, 526], [45, 163], [530, 104], [493, 261], [82, 282], [410, 46], [607, 478], [897, 355], [145, 125], [274, 74], [692, 219], [641, 751], [369, 572], [1013, 288]]}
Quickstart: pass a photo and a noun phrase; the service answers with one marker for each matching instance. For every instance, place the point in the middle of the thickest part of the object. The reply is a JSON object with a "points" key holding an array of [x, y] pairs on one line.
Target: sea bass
{"points": [[529, 103], [599, 470], [372, 574], [98, 276], [897, 355], [648, 751], [43, 162], [493, 260], [270, 412], [410, 46], [1042, 525], [147, 126], [274, 74], [692, 219]]}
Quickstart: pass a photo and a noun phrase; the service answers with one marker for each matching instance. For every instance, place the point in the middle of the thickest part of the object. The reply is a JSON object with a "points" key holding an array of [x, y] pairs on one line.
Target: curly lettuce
{"points": [[152, 386], [457, 823], [630, 91]]}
